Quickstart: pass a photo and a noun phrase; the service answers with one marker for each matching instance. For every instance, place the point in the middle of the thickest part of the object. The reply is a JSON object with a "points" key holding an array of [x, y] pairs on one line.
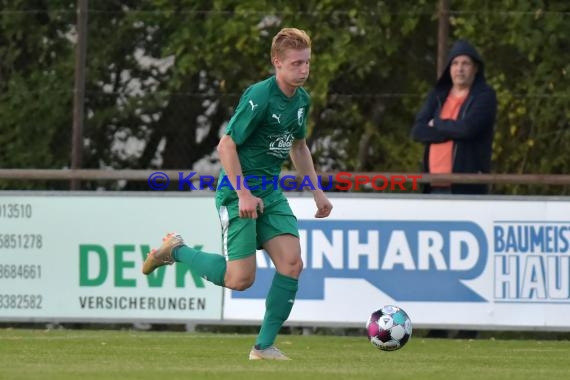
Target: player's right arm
{"points": [[249, 114], [248, 203]]}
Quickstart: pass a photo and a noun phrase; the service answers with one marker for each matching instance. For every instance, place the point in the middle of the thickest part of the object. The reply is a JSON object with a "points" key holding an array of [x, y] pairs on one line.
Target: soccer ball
{"points": [[389, 328]]}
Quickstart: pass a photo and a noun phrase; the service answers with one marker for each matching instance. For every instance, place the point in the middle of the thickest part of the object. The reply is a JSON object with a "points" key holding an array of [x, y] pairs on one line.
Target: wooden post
{"points": [[442, 35], [79, 91]]}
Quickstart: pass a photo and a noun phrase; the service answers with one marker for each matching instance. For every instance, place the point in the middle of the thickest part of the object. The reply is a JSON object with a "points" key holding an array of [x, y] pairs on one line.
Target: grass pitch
{"points": [[84, 355]]}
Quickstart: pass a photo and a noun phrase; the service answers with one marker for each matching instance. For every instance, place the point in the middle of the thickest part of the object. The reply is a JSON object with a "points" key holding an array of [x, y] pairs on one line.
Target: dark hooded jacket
{"points": [[472, 132]]}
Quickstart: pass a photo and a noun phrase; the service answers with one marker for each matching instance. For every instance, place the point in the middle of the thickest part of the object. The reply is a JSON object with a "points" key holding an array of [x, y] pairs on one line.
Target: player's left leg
{"points": [[285, 252], [278, 232]]}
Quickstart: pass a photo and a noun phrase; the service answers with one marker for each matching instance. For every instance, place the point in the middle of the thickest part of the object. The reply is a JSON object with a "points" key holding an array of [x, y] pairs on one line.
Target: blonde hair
{"points": [[289, 38]]}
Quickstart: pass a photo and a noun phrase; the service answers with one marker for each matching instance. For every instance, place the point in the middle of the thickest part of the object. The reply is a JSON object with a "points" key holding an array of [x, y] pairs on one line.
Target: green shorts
{"points": [[241, 237]]}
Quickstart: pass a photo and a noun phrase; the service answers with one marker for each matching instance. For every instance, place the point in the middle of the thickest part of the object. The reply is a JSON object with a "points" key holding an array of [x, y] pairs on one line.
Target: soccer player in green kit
{"points": [[268, 126]]}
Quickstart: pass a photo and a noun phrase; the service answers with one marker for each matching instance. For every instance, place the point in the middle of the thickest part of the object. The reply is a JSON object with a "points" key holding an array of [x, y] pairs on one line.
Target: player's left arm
{"points": [[303, 161]]}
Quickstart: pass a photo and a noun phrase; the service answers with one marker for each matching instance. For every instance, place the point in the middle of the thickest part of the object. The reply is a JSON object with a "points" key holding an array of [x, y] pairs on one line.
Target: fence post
{"points": [[79, 91], [442, 35]]}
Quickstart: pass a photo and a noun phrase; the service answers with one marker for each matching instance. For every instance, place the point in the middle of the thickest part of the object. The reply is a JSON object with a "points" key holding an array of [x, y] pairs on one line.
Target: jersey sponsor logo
{"points": [[253, 106], [300, 114], [423, 261], [277, 117], [280, 145]]}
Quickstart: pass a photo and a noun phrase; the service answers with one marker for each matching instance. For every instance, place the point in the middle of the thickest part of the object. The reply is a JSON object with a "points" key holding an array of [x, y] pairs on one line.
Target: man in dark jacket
{"points": [[456, 121]]}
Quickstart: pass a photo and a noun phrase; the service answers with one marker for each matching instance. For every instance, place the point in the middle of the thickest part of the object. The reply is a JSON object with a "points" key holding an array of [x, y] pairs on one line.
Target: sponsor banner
{"points": [[484, 263], [79, 257]]}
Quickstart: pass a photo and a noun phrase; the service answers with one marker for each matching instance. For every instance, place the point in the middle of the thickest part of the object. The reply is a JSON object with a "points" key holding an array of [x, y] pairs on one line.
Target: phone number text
{"points": [[20, 271], [20, 301], [21, 241], [15, 210]]}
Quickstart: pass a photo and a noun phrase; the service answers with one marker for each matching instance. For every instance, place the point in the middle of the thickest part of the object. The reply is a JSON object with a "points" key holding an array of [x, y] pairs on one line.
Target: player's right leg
{"points": [[238, 246], [235, 269], [163, 255], [210, 266]]}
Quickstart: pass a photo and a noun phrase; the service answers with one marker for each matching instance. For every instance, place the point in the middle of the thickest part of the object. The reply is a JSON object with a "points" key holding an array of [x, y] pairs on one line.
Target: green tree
{"points": [[164, 76], [36, 83]]}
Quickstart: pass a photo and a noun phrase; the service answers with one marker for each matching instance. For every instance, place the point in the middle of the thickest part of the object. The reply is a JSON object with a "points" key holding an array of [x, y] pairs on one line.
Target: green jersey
{"points": [[263, 127]]}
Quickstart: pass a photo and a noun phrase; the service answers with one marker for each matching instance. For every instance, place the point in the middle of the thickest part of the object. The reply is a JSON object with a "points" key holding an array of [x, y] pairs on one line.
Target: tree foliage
{"points": [[163, 78]]}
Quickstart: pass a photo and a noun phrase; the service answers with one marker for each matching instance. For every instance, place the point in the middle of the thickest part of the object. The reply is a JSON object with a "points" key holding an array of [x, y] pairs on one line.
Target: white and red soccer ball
{"points": [[389, 328]]}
